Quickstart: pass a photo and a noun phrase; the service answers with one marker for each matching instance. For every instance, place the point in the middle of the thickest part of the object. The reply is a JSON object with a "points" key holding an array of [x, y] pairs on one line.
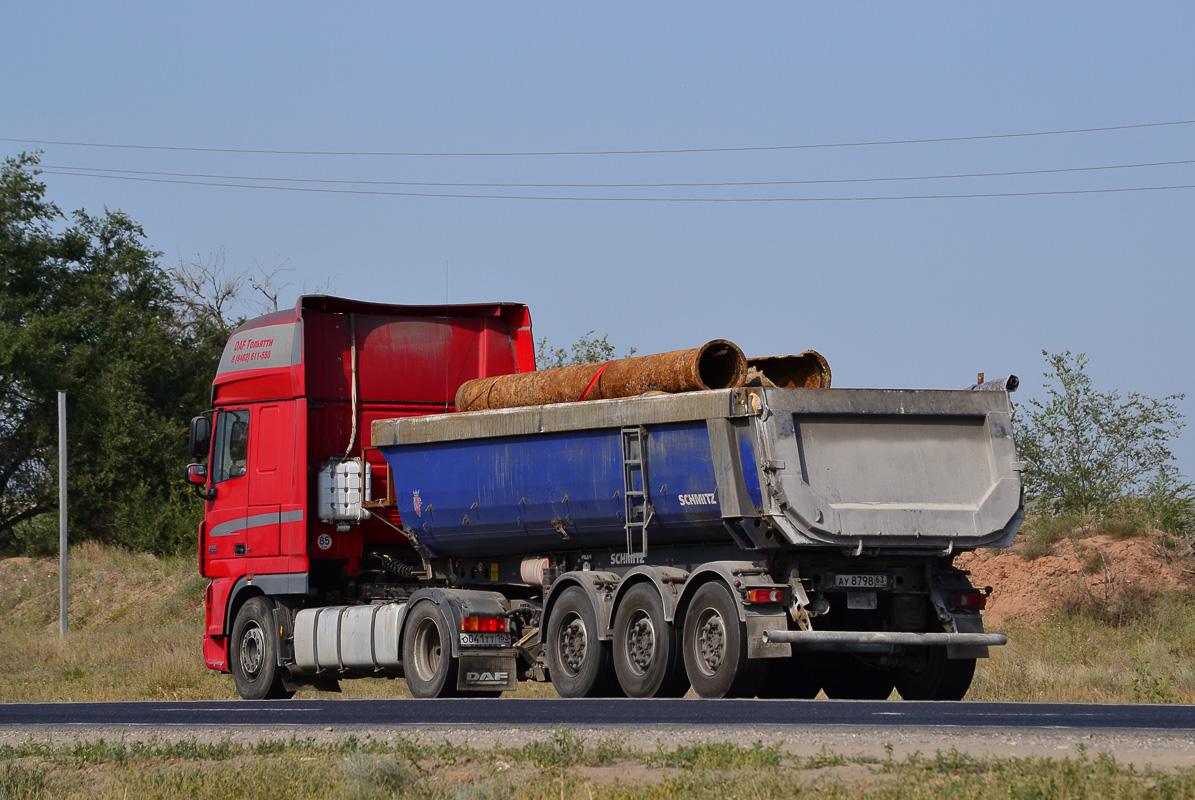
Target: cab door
{"points": [[271, 476], [227, 514]]}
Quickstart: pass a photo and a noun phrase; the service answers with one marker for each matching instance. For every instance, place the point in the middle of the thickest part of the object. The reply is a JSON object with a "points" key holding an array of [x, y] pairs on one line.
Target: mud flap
{"points": [[757, 645], [967, 623], [487, 672]]}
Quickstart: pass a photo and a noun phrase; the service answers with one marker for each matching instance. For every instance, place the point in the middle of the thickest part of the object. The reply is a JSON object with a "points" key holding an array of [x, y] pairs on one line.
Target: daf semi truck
{"points": [[727, 525]]}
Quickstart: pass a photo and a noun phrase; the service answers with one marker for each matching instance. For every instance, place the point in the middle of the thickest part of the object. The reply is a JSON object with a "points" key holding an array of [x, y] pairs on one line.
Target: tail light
{"points": [[971, 601], [485, 625], [765, 595]]}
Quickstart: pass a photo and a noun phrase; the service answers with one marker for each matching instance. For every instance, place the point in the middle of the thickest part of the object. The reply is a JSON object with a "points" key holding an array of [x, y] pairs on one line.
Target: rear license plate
{"points": [[861, 581], [485, 640]]}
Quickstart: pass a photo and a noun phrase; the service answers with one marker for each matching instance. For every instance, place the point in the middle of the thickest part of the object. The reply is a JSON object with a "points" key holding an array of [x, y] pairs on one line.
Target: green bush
{"points": [[1043, 529]]}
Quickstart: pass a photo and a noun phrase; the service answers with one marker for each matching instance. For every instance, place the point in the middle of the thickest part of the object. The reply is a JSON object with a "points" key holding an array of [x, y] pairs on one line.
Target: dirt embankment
{"points": [[1096, 571]]}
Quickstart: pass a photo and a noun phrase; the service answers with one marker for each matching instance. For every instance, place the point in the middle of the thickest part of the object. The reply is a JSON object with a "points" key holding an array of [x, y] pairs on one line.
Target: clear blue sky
{"points": [[896, 293]]}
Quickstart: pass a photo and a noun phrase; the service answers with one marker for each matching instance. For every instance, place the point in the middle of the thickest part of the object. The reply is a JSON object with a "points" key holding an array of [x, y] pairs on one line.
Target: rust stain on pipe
{"points": [[715, 365], [808, 370]]}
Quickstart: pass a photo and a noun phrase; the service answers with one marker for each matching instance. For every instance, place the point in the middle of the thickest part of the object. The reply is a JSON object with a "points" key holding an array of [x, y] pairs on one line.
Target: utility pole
{"points": [[62, 510]]}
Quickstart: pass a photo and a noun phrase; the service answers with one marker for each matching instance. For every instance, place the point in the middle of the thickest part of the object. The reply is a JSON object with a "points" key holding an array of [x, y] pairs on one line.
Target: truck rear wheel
{"points": [[427, 658], [940, 679], [579, 662], [715, 646], [253, 656], [647, 656], [791, 678], [848, 678]]}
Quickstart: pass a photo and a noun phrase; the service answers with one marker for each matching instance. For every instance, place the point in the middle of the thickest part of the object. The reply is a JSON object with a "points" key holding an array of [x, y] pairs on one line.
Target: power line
{"points": [[94, 172], [660, 151], [375, 192]]}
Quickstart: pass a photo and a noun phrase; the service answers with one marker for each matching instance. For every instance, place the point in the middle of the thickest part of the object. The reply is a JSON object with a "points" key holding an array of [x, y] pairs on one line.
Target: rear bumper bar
{"points": [[851, 639]]}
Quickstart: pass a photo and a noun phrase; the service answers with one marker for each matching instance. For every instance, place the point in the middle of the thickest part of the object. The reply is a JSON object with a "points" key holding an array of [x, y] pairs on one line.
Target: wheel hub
{"points": [[711, 642], [253, 645], [641, 643], [573, 643], [428, 650]]}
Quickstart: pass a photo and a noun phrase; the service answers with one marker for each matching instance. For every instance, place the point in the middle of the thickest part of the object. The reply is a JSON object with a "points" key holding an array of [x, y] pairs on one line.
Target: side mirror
{"points": [[196, 475], [199, 440]]}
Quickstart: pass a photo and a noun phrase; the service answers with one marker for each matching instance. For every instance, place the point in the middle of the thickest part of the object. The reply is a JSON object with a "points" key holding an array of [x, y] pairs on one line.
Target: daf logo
{"points": [[487, 677]]}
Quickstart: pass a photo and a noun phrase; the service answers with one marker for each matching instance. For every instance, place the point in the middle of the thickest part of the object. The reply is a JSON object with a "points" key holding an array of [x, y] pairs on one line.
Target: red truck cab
{"points": [[292, 402]]}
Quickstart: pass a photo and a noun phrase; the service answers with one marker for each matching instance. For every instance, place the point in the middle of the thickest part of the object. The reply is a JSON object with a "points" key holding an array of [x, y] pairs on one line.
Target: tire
{"points": [[791, 678], [647, 655], [427, 660], [940, 679], [253, 653], [715, 646], [579, 663], [848, 678]]}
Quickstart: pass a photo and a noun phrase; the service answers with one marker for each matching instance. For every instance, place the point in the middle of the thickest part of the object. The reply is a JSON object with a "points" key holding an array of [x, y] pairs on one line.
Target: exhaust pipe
{"points": [[715, 365]]}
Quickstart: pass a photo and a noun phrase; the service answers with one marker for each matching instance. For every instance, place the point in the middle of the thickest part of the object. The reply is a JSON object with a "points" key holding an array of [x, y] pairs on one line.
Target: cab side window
{"points": [[230, 455]]}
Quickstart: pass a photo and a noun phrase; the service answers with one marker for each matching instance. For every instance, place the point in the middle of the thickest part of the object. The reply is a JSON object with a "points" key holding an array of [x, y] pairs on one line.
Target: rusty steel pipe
{"points": [[715, 365], [808, 370]]}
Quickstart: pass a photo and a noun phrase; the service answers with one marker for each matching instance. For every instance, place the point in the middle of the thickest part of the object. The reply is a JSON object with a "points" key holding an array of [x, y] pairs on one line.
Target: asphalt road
{"points": [[630, 714]]}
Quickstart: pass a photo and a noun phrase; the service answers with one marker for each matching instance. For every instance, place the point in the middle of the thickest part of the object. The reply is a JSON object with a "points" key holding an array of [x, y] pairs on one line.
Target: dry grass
{"points": [[562, 765], [134, 625], [1128, 648]]}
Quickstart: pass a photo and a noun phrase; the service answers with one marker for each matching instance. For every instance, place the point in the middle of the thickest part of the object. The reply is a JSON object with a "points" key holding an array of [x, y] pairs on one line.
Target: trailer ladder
{"points": [[637, 507]]}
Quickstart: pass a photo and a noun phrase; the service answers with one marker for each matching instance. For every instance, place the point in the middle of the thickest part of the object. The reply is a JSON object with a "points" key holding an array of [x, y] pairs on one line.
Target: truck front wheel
{"points": [[715, 645], [646, 651], [427, 660], [578, 661], [253, 655]]}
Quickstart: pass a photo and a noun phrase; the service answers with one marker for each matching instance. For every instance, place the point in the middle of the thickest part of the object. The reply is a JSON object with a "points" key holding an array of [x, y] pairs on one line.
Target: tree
{"points": [[587, 350], [1089, 451], [86, 307]]}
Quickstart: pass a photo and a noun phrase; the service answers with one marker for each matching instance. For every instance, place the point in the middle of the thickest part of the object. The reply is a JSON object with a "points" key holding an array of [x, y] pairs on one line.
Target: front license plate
{"points": [[485, 640], [861, 581]]}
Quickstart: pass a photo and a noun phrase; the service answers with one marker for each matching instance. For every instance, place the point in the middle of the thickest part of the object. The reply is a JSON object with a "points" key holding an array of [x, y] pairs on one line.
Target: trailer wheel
{"points": [[647, 656], [715, 646], [940, 679], [578, 660], [848, 678], [791, 678], [253, 656], [427, 658]]}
